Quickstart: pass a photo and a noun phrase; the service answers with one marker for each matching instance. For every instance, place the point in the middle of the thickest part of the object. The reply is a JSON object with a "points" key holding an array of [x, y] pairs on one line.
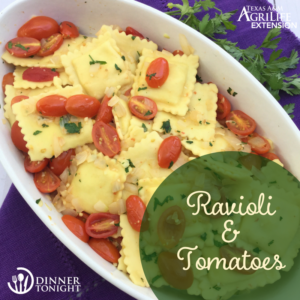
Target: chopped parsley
{"points": [[270, 243], [157, 202], [22, 47], [219, 244], [183, 196], [148, 257], [198, 78], [200, 122], [215, 231], [140, 188], [207, 123], [156, 278], [53, 70], [166, 126], [92, 62], [73, 127], [203, 236], [150, 75], [117, 224], [133, 37], [189, 142], [130, 165], [79, 180], [37, 132], [85, 36], [210, 144], [144, 127], [273, 182], [217, 288], [142, 88], [199, 99], [171, 164], [117, 68], [230, 92], [256, 250], [45, 125], [280, 218], [38, 201], [148, 113], [10, 44], [239, 166], [123, 57]]}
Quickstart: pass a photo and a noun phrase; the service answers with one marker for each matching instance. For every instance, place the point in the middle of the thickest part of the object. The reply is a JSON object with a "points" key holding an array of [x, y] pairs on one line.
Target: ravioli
{"points": [[175, 94], [96, 66], [148, 186]]}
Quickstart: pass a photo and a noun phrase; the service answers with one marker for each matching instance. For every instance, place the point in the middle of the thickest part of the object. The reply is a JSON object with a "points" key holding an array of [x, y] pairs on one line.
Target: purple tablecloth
{"points": [[26, 242]]}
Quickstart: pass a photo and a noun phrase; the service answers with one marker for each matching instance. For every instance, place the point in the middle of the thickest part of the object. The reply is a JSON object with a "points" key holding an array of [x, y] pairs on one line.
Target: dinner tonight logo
{"points": [[266, 17], [24, 281]]}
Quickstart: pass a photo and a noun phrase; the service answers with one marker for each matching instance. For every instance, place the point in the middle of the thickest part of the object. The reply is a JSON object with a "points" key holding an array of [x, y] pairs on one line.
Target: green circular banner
{"points": [[221, 225]]}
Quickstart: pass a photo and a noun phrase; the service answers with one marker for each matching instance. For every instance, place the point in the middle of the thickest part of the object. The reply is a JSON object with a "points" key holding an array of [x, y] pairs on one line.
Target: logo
{"points": [[21, 282]]}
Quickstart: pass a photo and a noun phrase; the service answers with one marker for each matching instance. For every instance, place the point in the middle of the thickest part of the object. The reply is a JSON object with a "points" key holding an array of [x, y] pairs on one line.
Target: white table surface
{"points": [[286, 6]]}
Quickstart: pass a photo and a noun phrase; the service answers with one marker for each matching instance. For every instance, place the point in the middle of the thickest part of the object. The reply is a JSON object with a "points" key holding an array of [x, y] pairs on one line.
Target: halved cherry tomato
{"points": [[36, 74], [106, 139], [68, 30], [224, 107], [18, 137], [39, 27], [76, 226], [173, 270], [23, 46], [83, 216], [105, 249], [102, 225], [270, 156], [130, 30], [18, 99], [46, 181], [240, 123], [178, 52], [8, 79], [58, 164], [142, 107], [229, 252], [169, 151], [157, 72], [258, 143], [127, 93], [35, 166], [135, 211], [105, 112], [52, 106], [82, 106], [51, 44]]}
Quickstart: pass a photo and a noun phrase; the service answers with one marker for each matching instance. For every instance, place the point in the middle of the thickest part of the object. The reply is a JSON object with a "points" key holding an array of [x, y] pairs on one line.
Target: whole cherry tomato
{"points": [[169, 151], [105, 249], [23, 47], [46, 181], [178, 52], [240, 123], [106, 139], [8, 79], [58, 164], [224, 107], [51, 44], [37, 74], [18, 137], [102, 225], [76, 226], [35, 166], [105, 112], [270, 156], [142, 107], [130, 30], [18, 99], [157, 72], [68, 30], [39, 27], [135, 211], [52, 106], [82, 106]]}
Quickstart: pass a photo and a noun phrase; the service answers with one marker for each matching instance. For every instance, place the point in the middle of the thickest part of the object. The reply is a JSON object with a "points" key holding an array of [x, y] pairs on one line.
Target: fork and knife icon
{"points": [[20, 277]]}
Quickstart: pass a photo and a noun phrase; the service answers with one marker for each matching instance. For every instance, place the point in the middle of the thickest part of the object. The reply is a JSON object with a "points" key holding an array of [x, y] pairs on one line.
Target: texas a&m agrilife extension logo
{"points": [[24, 281]]}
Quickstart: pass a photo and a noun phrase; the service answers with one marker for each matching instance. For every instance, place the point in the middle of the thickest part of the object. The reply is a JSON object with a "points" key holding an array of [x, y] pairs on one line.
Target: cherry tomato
{"points": [[251, 160], [51, 44], [46, 181], [240, 123], [102, 225], [169, 151], [18, 137], [178, 52], [130, 30], [39, 27], [35, 166], [18, 99], [270, 156], [229, 252], [76, 226], [8, 79], [135, 211], [82, 106], [224, 107], [106, 139], [105, 112], [171, 230], [83, 216], [52, 106], [116, 242], [23, 46], [142, 107], [58, 164], [157, 72], [68, 30], [258, 143], [172, 270], [105, 249], [36, 74]]}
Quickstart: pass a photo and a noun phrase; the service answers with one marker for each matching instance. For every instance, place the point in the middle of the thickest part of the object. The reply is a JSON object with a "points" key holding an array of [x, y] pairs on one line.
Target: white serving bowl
{"points": [[215, 65]]}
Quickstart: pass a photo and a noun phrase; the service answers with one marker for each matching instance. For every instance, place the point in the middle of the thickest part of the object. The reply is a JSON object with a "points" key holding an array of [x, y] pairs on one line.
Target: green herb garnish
{"points": [[123, 57], [117, 224], [148, 113], [157, 202], [37, 132], [10, 45], [198, 78], [140, 188], [144, 127], [289, 108], [189, 142], [53, 70], [133, 37], [150, 75], [217, 288], [45, 125], [203, 236], [219, 244], [166, 126], [92, 62], [156, 278], [142, 88], [38, 201], [148, 257], [73, 127], [210, 144], [270, 243], [171, 164], [117, 68], [256, 250], [22, 47]]}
